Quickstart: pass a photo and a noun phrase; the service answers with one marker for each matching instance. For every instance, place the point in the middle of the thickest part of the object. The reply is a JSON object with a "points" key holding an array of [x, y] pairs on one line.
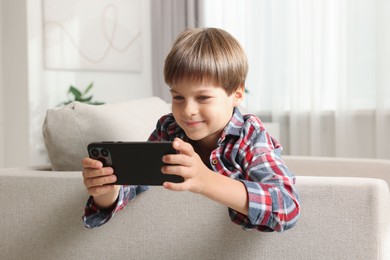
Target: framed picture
{"points": [[92, 35]]}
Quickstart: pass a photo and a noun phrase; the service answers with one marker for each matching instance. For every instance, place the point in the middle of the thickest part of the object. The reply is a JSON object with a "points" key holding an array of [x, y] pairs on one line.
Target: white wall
{"points": [[48, 87], [1, 93], [15, 87], [33, 89]]}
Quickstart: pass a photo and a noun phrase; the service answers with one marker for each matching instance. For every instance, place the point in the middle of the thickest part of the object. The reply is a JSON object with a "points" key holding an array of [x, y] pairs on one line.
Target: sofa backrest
{"points": [[339, 167], [342, 218]]}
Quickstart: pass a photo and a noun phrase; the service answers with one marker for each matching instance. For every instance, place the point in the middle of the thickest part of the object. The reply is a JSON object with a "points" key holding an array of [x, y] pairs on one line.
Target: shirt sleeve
{"points": [[273, 202], [95, 217]]}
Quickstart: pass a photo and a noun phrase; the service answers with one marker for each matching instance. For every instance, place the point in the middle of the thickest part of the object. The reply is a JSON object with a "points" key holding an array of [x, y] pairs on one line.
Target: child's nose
{"points": [[190, 108]]}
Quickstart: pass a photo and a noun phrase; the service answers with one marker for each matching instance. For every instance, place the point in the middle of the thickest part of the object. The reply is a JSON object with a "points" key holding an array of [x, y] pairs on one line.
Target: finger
{"points": [[175, 186], [93, 173], [99, 181], [177, 159], [183, 147], [91, 163], [175, 170]]}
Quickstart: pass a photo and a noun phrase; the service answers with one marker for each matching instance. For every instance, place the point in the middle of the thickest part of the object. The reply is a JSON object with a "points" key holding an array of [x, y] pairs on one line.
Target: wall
{"points": [[1, 93], [32, 89], [48, 87], [15, 88]]}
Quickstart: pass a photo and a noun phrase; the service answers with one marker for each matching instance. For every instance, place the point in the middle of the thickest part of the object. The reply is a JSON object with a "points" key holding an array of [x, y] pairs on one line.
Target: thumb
{"points": [[183, 147]]}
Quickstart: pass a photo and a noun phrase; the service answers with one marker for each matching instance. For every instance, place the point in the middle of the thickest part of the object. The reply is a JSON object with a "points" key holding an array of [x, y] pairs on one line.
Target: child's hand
{"points": [[187, 164], [97, 180], [200, 179]]}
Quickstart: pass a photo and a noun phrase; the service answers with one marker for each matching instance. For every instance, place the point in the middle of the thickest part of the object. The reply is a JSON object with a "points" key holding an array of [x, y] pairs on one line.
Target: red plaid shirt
{"points": [[245, 152]]}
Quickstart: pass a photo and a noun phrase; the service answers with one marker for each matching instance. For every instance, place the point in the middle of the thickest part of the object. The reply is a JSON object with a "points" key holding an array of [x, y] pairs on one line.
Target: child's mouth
{"points": [[193, 123]]}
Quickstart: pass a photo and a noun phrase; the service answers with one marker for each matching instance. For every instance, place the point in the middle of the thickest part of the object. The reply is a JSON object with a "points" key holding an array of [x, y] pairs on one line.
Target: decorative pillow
{"points": [[68, 130]]}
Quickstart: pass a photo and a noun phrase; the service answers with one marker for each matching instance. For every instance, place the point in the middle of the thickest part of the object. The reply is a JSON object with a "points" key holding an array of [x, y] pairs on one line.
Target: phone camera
{"points": [[94, 152], [104, 152]]}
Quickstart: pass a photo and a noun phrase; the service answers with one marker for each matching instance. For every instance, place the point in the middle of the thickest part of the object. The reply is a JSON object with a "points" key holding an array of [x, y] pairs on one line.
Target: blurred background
{"points": [[318, 69]]}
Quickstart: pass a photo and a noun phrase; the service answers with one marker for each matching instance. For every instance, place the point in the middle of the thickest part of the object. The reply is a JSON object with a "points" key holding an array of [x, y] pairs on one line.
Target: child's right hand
{"points": [[98, 181]]}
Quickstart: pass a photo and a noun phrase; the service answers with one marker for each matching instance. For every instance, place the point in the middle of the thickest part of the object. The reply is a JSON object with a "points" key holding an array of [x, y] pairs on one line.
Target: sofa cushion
{"points": [[68, 130]]}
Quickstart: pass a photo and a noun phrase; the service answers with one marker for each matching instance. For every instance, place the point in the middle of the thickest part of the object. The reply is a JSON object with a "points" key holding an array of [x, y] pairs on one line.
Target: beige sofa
{"points": [[343, 217]]}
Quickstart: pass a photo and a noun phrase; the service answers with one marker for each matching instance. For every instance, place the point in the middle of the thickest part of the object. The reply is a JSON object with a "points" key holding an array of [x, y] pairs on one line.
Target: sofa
{"points": [[345, 204]]}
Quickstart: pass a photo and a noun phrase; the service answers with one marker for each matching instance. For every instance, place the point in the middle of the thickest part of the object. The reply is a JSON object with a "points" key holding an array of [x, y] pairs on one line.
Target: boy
{"points": [[223, 155]]}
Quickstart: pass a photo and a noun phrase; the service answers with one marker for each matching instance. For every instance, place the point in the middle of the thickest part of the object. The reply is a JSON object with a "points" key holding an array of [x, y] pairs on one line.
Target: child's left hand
{"points": [[187, 164]]}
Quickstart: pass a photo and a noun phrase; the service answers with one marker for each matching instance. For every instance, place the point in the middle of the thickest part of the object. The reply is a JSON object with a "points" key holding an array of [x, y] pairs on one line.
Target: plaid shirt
{"points": [[245, 152]]}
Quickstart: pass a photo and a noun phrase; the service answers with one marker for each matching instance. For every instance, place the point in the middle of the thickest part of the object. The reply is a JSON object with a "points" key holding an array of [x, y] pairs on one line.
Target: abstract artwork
{"points": [[92, 35]]}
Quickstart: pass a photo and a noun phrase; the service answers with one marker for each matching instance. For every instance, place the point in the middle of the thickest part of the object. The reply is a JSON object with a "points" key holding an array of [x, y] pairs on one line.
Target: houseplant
{"points": [[75, 94]]}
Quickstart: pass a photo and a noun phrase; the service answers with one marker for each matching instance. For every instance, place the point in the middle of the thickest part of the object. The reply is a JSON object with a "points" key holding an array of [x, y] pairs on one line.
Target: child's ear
{"points": [[238, 95]]}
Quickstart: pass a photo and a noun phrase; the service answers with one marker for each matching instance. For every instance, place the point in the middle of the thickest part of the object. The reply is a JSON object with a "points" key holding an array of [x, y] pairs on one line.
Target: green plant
{"points": [[74, 94]]}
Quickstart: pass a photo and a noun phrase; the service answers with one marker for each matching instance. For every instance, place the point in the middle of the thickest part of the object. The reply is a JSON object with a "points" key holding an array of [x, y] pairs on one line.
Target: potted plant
{"points": [[74, 94]]}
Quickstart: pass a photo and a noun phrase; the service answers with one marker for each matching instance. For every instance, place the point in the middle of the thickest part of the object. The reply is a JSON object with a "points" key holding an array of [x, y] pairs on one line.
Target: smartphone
{"points": [[135, 163]]}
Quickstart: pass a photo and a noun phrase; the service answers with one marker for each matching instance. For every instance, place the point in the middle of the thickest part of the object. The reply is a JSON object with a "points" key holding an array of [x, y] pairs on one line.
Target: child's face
{"points": [[203, 110]]}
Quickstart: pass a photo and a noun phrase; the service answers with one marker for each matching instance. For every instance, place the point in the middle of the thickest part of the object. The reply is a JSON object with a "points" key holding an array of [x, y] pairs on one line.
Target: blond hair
{"points": [[207, 55]]}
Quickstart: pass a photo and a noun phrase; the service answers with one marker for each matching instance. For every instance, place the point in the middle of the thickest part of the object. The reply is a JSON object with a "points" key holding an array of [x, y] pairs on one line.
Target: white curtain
{"points": [[169, 18], [319, 68]]}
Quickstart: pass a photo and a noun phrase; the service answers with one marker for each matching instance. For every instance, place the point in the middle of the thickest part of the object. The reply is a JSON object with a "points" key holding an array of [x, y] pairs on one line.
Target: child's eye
{"points": [[177, 98], [203, 98]]}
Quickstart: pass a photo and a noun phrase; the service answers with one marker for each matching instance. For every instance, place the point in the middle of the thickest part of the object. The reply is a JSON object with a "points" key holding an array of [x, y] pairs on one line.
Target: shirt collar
{"points": [[173, 128], [234, 126]]}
